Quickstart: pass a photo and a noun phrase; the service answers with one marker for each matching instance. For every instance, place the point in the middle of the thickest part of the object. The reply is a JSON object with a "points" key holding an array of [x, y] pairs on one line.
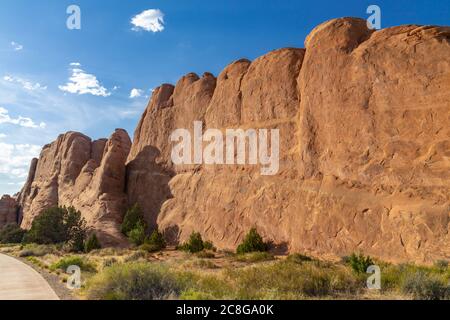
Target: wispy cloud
{"points": [[26, 84], [15, 158], [20, 121], [82, 82], [16, 46], [151, 20]]}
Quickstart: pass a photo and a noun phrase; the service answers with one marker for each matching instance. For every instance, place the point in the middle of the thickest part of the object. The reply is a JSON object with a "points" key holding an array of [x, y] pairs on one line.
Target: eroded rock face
{"points": [[88, 175], [364, 125], [364, 120], [8, 211], [375, 122]]}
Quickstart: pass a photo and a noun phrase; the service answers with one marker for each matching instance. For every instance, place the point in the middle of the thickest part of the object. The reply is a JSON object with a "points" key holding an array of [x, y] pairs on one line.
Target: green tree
{"points": [[11, 233], [58, 225], [253, 242], [132, 218], [137, 235], [76, 230], [156, 240], [359, 263], [194, 244]]}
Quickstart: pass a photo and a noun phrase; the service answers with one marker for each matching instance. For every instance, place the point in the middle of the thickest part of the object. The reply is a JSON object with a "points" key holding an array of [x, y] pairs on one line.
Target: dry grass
{"points": [[136, 274]]}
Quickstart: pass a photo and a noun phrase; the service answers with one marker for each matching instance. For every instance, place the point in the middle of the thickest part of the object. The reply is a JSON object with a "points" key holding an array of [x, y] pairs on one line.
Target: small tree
{"points": [[154, 243], [48, 227], [76, 230], [92, 243], [11, 233], [137, 235], [194, 244], [132, 218], [253, 242], [359, 263], [156, 239], [58, 225]]}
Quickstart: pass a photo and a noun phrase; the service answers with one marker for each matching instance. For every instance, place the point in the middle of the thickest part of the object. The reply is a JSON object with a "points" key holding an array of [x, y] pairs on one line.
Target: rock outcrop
{"points": [[8, 211], [364, 122], [88, 175]]}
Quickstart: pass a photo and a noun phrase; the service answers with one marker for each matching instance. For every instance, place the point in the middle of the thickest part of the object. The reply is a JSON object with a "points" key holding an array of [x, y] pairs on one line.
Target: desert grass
{"points": [[134, 274]]}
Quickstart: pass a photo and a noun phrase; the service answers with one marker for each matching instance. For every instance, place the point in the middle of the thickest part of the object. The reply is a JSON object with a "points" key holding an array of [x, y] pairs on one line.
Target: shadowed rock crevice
{"points": [[148, 183]]}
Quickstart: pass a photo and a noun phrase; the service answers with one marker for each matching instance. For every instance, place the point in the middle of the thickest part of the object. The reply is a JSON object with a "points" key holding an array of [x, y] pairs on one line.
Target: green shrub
{"points": [[11, 233], [92, 243], [298, 258], [194, 244], [359, 263], [137, 235], [155, 241], [422, 286], [253, 242], [254, 257], [37, 262], [33, 250], [58, 225], [64, 263], [133, 218], [134, 281]]}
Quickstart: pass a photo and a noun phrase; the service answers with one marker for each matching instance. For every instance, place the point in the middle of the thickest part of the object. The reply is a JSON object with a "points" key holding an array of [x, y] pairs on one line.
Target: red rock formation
{"points": [[8, 211], [89, 175], [364, 128], [364, 124]]}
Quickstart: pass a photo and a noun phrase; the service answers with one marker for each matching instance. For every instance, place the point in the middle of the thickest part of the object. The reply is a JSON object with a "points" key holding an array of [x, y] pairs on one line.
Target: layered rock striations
{"points": [[364, 122]]}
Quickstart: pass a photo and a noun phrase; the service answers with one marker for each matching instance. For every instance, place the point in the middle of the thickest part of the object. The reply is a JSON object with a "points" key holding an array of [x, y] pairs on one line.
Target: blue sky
{"points": [[110, 56]]}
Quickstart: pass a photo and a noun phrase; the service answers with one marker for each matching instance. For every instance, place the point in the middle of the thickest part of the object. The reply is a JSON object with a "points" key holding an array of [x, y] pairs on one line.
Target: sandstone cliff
{"points": [[8, 211], [89, 175], [364, 120]]}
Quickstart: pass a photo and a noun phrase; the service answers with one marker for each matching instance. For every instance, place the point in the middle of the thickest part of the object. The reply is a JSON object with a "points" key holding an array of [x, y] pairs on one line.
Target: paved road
{"points": [[21, 282]]}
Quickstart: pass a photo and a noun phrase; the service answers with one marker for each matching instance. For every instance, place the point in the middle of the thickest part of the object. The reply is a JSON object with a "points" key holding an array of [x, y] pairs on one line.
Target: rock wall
{"points": [[88, 175], [8, 211], [364, 121]]}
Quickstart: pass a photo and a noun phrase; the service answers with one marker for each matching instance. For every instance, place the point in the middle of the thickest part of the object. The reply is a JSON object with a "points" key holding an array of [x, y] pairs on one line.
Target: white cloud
{"points": [[3, 136], [15, 159], [135, 93], [26, 84], [84, 83], [16, 46], [149, 20], [20, 121]]}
